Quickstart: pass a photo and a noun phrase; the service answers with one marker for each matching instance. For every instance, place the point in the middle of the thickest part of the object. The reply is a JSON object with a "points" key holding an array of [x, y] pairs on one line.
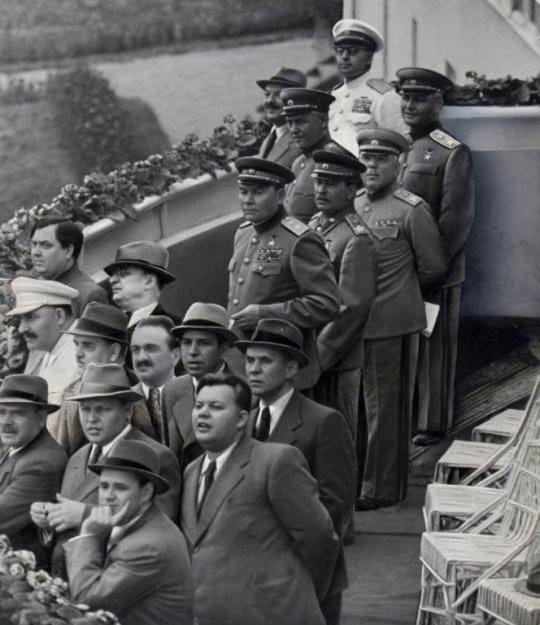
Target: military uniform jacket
{"points": [[364, 102], [279, 149], [300, 196], [439, 170], [410, 260], [353, 257]]}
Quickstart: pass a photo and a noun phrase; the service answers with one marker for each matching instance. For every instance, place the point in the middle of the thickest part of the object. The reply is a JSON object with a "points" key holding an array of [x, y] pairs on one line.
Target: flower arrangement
{"points": [[507, 91], [32, 597]]}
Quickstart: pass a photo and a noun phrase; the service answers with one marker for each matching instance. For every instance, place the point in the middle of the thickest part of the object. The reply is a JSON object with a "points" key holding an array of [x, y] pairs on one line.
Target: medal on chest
{"points": [[271, 253], [361, 105], [428, 154]]}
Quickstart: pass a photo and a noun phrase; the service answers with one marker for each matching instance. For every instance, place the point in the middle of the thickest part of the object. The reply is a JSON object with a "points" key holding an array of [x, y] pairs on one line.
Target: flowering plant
{"points": [[495, 92]]}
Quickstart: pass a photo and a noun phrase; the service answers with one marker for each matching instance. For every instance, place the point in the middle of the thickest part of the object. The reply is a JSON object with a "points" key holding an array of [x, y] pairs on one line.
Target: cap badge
{"points": [[289, 102], [374, 142], [325, 165], [251, 172]]}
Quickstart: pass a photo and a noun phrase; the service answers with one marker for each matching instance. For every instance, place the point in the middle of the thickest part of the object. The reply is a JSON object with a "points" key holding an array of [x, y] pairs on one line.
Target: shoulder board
{"points": [[408, 197], [245, 224], [295, 226], [379, 85], [444, 139], [354, 222]]}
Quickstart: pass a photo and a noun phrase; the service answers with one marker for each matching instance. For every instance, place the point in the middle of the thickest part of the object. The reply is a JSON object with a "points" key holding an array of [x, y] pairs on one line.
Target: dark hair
{"points": [[66, 232], [242, 392], [160, 321]]}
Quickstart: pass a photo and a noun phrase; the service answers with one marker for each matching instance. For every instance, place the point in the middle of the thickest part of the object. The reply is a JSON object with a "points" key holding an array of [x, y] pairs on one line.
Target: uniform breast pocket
{"points": [[267, 269], [423, 169], [385, 232]]}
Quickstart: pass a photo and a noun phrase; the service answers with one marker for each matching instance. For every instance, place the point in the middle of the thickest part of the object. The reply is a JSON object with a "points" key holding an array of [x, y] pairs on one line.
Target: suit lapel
{"points": [[189, 499], [281, 146], [182, 409], [289, 422]]}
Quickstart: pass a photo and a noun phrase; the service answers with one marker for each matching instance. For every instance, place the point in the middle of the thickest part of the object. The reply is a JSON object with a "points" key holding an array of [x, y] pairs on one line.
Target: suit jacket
{"points": [[263, 547], [89, 290], [144, 578], [32, 474], [283, 150], [323, 436]]}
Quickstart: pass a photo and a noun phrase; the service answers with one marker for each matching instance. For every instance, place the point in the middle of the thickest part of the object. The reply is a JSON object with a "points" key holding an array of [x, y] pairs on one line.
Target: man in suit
{"points": [[56, 245], [361, 100], [205, 340], [438, 169], [105, 402], [278, 145], [410, 264], [263, 545], [31, 461], [273, 357], [129, 558], [155, 353], [280, 267], [306, 112]]}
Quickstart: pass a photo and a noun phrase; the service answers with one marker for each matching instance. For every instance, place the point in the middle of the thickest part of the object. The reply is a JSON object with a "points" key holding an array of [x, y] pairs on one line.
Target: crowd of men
{"points": [[207, 467]]}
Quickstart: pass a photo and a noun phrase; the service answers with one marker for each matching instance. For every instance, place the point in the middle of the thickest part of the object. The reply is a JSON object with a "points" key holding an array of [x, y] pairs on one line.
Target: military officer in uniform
{"points": [[306, 112], [411, 263], [353, 256], [278, 145], [361, 100], [439, 170], [280, 267]]}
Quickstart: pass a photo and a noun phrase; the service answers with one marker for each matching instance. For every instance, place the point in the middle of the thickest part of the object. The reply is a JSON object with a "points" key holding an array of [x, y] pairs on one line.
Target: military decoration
{"points": [[272, 253], [361, 105], [428, 154]]}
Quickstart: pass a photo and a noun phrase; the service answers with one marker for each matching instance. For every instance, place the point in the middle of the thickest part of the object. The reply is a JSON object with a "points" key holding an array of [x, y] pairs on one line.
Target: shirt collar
{"points": [[220, 459], [107, 448], [281, 131], [146, 389], [141, 313], [359, 80], [276, 408]]}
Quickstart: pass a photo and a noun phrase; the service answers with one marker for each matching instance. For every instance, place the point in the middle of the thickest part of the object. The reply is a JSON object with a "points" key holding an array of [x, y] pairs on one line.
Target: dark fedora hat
{"points": [[134, 457], [147, 255], [105, 380], [285, 77], [26, 389], [103, 321], [208, 317], [279, 334]]}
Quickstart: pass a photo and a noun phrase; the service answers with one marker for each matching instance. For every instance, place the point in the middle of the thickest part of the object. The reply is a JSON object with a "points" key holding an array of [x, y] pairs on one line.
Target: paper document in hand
{"points": [[432, 312]]}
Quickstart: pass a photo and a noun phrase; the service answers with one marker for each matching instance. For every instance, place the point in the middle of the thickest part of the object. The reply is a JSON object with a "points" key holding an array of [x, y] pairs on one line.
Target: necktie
{"points": [[4, 454], [154, 401], [263, 429], [208, 480], [96, 455], [270, 142]]}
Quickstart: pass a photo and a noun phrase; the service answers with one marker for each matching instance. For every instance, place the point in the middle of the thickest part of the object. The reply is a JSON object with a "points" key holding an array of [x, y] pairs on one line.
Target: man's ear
{"points": [[280, 193], [243, 418], [60, 316]]}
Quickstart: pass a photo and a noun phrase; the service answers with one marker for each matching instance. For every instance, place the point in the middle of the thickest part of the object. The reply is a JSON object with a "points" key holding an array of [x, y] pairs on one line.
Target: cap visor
{"points": [[128, 395], [300, 356], [17, 400], [163, 273]]}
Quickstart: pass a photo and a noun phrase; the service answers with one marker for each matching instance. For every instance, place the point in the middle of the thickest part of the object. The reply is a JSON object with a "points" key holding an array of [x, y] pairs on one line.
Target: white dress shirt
{"points": [[141, 313], [276, 409], [220, 460]]}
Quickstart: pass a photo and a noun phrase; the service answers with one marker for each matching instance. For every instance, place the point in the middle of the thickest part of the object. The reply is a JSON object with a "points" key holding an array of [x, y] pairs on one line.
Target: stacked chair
{"points": [[496, 508]]}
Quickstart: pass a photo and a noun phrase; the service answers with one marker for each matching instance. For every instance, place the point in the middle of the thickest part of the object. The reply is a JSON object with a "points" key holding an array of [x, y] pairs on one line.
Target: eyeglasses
{"points": [[350, 50]]}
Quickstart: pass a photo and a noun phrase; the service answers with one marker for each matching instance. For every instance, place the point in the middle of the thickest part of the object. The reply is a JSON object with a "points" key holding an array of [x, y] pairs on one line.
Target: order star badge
{"points": [[428, 154]]}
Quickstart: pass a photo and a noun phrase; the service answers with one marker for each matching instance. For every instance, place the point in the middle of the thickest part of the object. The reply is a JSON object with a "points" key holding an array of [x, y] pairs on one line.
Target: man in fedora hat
{"points": [[438, 169], [129, 558], [410, 264], [361, 100], [45, 311], [280, 267], [274, 354], [205, 340], [306, 112], [31, 461], [105, 403], [278, 145], [262, 544]]}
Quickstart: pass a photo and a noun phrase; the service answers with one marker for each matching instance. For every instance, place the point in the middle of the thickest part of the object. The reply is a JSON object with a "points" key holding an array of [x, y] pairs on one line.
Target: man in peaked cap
{"points": [[306, 112], [278, 145], [339, 342], [274, 355], [410, 264], [31, 461], [105, 404], [438, 169], [145, 576], [361, 100], [205, 340], [279, 267], [45, 310]]}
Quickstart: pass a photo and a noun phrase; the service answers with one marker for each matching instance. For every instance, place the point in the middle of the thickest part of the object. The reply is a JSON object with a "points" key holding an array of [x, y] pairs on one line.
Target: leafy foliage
{"points": [[505, 91]]}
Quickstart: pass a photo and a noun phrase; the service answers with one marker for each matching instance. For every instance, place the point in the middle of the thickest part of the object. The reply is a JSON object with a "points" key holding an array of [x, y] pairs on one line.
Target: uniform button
{"points": [[235, 301], [319, 229], [347, 95], [259, 268], [247, 260], [294, 181], [367, 209], [332, 220], [241, 280], [254, 240], [336, 128], [302, 165]]}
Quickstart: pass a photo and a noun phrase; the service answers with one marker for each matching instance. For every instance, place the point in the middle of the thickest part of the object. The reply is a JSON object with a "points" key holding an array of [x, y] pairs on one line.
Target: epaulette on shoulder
{"points": [[295, 226], [245, 224], [354, 222], [408, 197], [444, 139], [379, 85]]}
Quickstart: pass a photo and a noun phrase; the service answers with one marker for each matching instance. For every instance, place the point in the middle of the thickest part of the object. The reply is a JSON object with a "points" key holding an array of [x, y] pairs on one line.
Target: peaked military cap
{"points": [[298, 101], [285, 77], [103, 321], [337, 164], [357, 33], [421, 79], [147, 255], [31, 294], [381, 140], [254, 170]]}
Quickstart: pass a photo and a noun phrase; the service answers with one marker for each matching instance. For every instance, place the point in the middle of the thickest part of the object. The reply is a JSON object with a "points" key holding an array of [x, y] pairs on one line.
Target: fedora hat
{"points": [[285, 77], [208, 317], [103, 321], [135, 457], [105, 380], [279, 334], [31, 294], [147, 255], [26, 389]]}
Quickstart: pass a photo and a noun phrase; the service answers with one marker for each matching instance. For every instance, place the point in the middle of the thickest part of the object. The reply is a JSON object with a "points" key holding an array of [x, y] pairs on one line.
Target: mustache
{"points": [[29, 335], [143, 363]]}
